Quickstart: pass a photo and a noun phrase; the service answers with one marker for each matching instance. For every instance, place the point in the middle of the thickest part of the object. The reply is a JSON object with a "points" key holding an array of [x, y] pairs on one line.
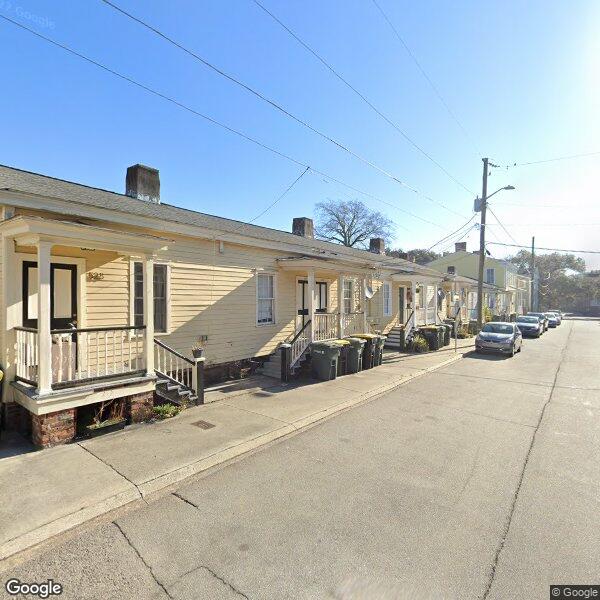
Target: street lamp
{"points": [[484, 199]]}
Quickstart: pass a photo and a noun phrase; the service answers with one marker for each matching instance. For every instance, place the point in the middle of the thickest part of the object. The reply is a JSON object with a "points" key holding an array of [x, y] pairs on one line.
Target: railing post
{"points": [[286, 359], [414, 304], [198, 379], [149, 313], [45, 339], [363, 302], [341, 307], [311, 299]]}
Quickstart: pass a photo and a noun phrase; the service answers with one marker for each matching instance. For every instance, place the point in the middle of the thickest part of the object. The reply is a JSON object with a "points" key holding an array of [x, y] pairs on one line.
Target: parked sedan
{"points": [[499, 337], [530, 326], [553, 320], [542, 317], [557, 314]]}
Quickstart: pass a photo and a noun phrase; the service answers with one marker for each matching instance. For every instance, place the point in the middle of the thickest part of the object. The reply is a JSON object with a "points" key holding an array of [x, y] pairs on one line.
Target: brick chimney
{"points": [[143, 183], [460, 247], [377, 245], [303, 226]]}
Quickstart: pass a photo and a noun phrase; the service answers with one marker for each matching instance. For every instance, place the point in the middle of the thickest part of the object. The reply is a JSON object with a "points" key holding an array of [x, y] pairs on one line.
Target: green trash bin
{"points": [[324, 360], [447, 333], [432, 334], [379, 349], [342, 363], [355, 354], [369, 350]]}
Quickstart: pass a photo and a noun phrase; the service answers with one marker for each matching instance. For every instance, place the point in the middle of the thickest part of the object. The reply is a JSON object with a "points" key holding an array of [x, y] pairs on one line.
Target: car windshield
{"points": [[541, 315], [551, 315], [497, 328], [531, 319]]}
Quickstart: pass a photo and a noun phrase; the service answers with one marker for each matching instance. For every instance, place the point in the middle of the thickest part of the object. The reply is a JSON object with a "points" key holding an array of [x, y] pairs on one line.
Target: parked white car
{"points": [[499, 337]]}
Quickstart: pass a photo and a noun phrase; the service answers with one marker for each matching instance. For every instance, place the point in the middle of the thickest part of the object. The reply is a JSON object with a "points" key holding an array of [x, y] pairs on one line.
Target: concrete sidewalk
{"points": [[48, 492]]}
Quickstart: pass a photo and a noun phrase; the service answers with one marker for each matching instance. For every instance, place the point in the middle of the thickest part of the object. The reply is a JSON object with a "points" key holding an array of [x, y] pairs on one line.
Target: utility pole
{"points": [[482, 246], [533, 302]]}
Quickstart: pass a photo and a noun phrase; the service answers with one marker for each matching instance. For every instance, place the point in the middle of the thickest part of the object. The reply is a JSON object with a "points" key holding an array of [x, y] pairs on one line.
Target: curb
{"points": [[153, 486]]}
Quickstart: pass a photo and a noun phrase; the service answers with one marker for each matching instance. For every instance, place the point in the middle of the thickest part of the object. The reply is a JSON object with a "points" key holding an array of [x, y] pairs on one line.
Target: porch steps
{"points": [[178, 394], [393, 338], [272, 367]]}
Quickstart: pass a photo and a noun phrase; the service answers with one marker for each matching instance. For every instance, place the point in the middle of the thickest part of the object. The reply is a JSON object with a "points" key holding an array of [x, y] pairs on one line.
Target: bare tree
{"points": [[351, 223]]}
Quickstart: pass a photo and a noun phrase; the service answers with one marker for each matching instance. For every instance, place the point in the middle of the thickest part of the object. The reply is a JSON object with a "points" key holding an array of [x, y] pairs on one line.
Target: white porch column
{"points": [[148, 262], [363, 300], [435, 303], [43, 310], [413, 287], [341, 307], [310, 292]]}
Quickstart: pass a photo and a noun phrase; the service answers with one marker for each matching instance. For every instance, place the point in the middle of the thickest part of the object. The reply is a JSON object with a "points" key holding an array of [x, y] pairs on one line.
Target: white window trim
{"points": [[350, 282], [274, 276], [487, 279], [387, 285], [132, 293]]}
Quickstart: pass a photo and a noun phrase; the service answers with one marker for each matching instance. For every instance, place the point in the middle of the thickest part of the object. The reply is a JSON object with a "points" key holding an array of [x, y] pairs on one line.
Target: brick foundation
{"points": [[139, 407], [53, 429]]}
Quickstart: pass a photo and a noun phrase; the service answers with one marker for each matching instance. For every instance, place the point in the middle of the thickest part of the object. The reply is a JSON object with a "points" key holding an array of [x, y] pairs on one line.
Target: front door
{"points": [[302, 300], [401, 305], [63, 295], [63, 312]]}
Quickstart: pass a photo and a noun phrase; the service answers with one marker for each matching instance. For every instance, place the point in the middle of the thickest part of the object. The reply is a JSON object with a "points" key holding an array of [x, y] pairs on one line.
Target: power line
{"points": [[427, 78], [360, 95], [549, 249], [460, 237], [451, 234], [273, 104], [547, 160], [501, 225], [207, 118]]}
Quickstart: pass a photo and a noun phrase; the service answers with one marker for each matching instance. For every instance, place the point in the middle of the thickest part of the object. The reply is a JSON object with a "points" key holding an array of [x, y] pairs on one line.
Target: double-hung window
{"points": [[490, 276], [160, 296], [387, 299], [348, 296], [265, 299]]}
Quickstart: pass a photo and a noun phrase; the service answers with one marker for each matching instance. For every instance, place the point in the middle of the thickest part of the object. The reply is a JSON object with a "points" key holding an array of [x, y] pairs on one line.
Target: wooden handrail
{"points": [[28, 329], [412, 312], [96, 329], [172, 351], [298, 334]]}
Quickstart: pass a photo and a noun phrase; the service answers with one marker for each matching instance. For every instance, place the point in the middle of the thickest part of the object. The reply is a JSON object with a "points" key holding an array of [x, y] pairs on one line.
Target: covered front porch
{"points": [[59, 348]]}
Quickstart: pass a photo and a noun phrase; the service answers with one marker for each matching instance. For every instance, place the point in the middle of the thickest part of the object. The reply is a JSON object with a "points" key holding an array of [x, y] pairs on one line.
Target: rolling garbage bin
{"points": [[355, 354], [447, 333], [369, 349], [324, 360], [432, 335], [379, 349], [342, 363]]}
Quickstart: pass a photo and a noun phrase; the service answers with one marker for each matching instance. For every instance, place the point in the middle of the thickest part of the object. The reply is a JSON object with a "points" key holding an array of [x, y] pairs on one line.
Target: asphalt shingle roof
{"points": [[17, 180]]}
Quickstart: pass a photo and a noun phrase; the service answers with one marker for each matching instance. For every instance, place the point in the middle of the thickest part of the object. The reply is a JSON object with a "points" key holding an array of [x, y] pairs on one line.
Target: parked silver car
{"points": [[542, 317], [529, 325], [557, 314], [499, 337], [553, 320]]}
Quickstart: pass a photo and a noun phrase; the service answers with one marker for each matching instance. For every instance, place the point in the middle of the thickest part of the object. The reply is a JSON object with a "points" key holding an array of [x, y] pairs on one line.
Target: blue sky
{"points": [[521, 77]]}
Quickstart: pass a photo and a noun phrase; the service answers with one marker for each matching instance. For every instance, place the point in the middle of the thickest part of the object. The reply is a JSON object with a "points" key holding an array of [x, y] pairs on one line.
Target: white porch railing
{"points": [[79, 355], [430, 316], [26, 354], [300, 343], [173, 365], [353, 323], [325, 326], [421, 316]]}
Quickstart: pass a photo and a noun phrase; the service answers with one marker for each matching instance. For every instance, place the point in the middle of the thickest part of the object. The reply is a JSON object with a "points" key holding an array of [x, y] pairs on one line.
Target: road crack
{"points": [[216, 576], [156, 579], [522, 475]]}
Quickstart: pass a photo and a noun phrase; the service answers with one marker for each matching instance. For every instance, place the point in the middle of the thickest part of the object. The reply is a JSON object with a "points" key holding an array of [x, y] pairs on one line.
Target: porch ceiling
{"points": [[29, 230]]}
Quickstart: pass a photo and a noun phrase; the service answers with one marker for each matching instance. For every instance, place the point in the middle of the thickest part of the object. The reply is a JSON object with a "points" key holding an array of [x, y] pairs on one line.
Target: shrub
{"points": [[420, 344], [165, 411]]}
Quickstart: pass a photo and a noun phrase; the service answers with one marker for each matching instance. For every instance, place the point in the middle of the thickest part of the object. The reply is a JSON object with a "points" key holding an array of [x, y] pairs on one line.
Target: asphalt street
{"points": [[479, 480]]}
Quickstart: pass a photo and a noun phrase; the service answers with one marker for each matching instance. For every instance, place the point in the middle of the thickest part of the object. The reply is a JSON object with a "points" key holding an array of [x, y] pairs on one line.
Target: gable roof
{"points": [[76, 194]]}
